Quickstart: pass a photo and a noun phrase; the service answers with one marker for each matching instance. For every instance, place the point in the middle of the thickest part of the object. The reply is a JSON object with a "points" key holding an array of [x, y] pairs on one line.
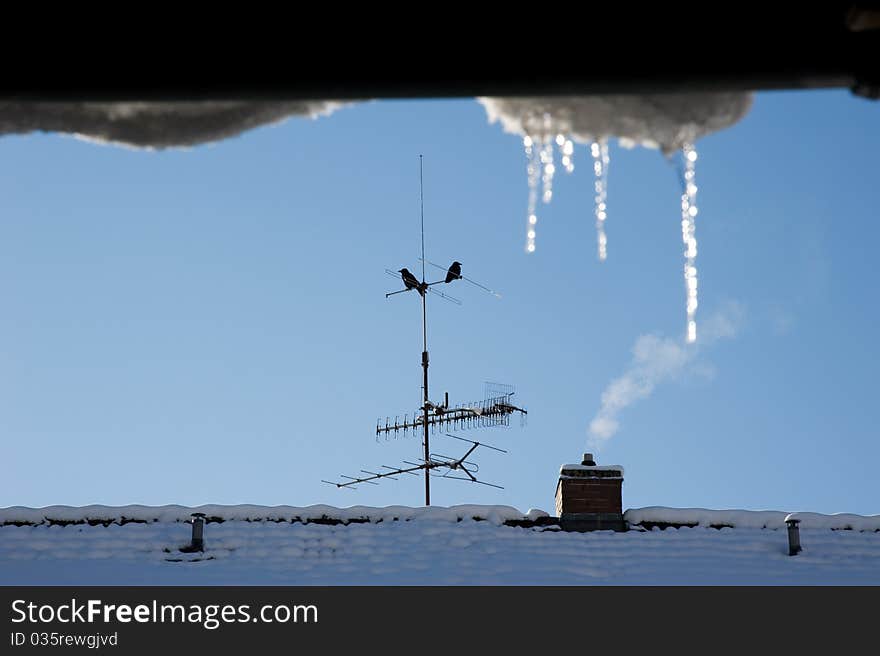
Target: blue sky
{"points": [[209, 325]]}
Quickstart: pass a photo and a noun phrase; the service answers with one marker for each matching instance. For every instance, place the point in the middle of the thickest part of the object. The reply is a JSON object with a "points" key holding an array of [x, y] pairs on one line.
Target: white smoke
{"points": [[657, 360]]}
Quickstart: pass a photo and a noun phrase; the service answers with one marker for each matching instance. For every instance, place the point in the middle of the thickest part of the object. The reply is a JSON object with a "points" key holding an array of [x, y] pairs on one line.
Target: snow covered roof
{"points": [[121, 515], [761, 519], [322, 545]]}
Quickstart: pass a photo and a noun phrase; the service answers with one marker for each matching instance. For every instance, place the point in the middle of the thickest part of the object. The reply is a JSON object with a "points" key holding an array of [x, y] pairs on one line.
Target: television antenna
{"points": [[435, 463], [492, 411]]}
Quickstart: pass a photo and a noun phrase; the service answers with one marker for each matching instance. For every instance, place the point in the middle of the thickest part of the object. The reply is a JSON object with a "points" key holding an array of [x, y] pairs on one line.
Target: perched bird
{"points": [[454, 272], [410, 280]]}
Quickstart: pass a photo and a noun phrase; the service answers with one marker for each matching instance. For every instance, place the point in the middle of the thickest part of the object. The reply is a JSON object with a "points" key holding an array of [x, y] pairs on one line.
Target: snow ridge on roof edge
{"points": [[175, 513], [654, 515], [749, 518]]}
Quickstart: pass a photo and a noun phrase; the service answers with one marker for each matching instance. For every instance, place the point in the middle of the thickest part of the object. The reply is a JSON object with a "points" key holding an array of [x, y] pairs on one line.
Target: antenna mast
{"points": [[426, 402], [422, 211], [494, 410]]}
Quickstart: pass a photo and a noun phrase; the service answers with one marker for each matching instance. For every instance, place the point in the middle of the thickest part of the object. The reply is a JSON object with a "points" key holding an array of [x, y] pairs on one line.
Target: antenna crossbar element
{"points": [[426, 286], [462, 478], [434, 462], [485, 414], [494, 448], [453, 274]]}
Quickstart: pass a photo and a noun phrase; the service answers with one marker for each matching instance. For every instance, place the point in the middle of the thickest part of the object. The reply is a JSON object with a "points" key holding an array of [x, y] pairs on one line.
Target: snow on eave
{"points": [[665, 121], [836, 521], [771, 519], [617, 468], [497, 515], [153, 125], [173, 513]]}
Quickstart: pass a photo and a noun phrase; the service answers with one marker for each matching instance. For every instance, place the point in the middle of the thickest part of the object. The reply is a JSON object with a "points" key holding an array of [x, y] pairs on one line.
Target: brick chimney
{"points": [[588, 497]]}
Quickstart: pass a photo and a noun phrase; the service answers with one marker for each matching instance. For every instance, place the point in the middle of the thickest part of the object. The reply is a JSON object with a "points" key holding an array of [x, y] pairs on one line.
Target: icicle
{"points": [[599, 151], [534, 172], [549, 168], [688, 214], [541, 166], [566, 148]]}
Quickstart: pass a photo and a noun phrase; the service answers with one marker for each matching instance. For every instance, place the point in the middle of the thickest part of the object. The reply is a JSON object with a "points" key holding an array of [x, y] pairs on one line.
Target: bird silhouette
{"points": [[454, 272], [410, 280]]}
